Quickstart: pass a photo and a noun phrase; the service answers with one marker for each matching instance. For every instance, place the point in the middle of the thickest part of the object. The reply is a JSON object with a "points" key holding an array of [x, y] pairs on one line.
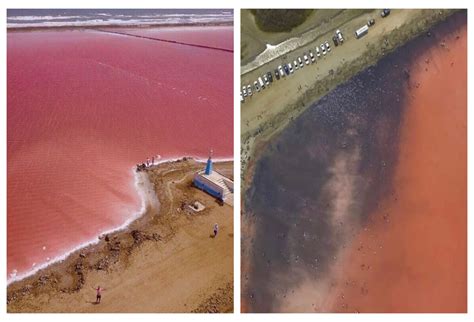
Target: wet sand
{"points": [[312, 201], [412, 256]]}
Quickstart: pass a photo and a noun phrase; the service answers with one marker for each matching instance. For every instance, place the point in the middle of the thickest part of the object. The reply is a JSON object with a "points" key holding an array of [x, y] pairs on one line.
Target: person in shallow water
{"points": [[98, 294], [216, 229]]}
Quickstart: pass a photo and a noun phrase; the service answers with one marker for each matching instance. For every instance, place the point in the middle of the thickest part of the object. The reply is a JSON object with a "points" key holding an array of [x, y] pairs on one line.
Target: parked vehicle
{"points": [[290, 68], [270, 77], [340, 38], [335, 41], [306, 60], [277, 74], [280, 69], [317, 52], [257, 88], [241, 98], [295, 64], [327, 46], [262, 84], [385, 13], [249, 89], [300, 62], [323, 49], [265, 79], [287, 70], [244, 90], [371, 22], [312, 56], [362, 31]]}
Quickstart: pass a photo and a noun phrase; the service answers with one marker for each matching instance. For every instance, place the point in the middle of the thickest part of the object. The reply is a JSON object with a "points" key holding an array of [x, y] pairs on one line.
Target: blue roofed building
{"points": [[214, 183]]}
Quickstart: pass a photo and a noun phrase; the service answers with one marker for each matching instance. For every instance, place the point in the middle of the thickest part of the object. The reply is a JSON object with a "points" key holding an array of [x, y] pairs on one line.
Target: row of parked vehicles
{"points": [[289, 68]]}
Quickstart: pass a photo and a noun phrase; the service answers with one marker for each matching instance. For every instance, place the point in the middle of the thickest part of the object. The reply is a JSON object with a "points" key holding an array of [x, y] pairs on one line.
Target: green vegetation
{"points": [[280, 20]]}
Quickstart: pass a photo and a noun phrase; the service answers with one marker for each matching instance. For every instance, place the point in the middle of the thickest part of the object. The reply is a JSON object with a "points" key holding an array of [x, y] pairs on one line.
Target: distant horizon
{"points": [[31, 18]]}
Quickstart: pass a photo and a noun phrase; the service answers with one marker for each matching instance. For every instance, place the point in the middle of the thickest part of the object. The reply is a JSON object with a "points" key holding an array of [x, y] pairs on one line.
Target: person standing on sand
{"points": [[216, 230], [98, 294]]}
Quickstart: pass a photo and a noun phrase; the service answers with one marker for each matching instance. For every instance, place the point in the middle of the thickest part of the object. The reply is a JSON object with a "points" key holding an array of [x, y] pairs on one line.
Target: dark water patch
{"points": [[317, 182]]}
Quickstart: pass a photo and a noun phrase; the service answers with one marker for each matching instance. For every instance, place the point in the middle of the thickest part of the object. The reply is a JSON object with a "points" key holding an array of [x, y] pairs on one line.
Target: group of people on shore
{"points": [[148, 163]]}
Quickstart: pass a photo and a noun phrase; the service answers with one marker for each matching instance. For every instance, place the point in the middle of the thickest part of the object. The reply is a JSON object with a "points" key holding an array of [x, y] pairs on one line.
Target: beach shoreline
{"points": [[114, 252], [122, 26], [260, 124]]}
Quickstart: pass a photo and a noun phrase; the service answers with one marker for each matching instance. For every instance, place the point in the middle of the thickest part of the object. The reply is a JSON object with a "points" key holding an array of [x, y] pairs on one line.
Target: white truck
{"points": [[362, 31]]}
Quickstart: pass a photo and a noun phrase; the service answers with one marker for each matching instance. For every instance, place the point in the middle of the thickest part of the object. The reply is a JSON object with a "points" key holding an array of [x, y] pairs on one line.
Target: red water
{"points": [[83, 108], [413, 256], [223, 36]]}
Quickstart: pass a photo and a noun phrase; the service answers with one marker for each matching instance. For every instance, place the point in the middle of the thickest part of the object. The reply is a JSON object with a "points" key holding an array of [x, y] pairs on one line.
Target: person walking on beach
{"points": [[98, 294], [216, 230]]}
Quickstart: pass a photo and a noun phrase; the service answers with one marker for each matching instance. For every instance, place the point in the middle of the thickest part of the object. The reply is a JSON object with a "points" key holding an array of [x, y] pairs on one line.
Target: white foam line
{"points": [[194, 157], [96, 240], [113, 22]]}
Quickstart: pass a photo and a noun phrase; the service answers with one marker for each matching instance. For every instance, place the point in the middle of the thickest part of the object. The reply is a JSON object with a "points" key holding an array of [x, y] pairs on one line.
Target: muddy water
{"points": [[412, 256], [320, 185]]}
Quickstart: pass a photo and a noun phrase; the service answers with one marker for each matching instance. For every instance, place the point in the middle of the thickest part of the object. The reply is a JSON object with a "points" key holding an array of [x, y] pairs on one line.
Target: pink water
{"points": [[222, 38], [83, 108]]}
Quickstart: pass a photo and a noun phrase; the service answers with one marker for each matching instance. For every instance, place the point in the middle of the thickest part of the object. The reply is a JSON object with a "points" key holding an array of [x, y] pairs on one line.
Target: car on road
{"points": [[327, 46], [312, 56], [287, 70], [280, 69], [249, 89], [317, 52], [270, 77], [277, 74], [290, 68], [300, 62], [323, 49], [306, 59], [384, 13], [257, 88], [340, 38], [244, 90], [295, 64]]}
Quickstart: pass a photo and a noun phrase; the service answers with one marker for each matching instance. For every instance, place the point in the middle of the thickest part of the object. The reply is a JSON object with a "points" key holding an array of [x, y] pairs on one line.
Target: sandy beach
{"points": [[165, 261]]}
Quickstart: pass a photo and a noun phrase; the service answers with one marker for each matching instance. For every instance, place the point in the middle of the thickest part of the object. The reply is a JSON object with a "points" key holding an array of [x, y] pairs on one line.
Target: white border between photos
{"points": [[236, 5]]}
